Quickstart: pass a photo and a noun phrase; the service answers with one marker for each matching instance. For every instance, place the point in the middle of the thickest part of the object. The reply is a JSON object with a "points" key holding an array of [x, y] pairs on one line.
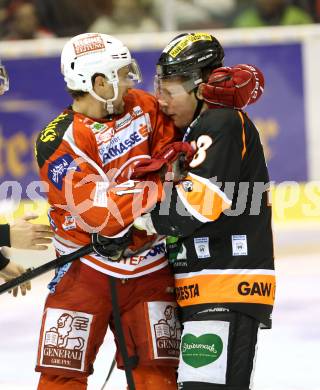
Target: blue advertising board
{"points": [[37, 94]]}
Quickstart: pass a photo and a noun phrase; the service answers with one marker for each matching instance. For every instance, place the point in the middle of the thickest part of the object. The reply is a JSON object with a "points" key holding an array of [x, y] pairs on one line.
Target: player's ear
{"points": [[199, 91], [99, 81]]}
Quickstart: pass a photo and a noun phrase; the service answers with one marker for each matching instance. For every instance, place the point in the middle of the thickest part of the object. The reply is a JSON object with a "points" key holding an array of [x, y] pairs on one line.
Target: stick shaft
{"points": [[33, 273]]}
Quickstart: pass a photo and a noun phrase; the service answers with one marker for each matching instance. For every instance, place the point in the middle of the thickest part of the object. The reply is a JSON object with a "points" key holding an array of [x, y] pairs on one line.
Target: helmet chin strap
{"points": [[199, 105], [107, 102]]}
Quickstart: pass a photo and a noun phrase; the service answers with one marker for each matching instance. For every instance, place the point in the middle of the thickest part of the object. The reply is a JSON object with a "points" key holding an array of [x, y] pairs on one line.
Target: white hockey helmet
{"points": [[87, 54], [4, 79]]}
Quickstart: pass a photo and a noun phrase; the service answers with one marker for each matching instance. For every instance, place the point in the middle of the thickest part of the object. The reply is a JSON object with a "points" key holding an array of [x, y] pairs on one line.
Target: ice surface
{"points": [[288, 355]]}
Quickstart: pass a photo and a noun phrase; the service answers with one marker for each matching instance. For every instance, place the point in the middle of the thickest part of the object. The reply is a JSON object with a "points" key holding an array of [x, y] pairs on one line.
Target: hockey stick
{"points": [[113, 364], [94, 246], [128, 362], [42, 269]]}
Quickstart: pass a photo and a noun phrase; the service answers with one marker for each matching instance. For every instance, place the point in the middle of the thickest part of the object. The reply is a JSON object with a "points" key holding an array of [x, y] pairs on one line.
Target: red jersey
{"points": [[86, 164]]}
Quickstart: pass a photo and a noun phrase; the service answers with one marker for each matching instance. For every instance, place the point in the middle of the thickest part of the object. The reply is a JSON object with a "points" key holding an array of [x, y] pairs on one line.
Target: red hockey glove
{"points": [[234, 87], [171, 163]]}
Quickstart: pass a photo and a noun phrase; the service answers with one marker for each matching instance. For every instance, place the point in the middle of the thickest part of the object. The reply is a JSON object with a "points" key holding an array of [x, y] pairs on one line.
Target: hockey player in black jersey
{"points": [[219, 215]]}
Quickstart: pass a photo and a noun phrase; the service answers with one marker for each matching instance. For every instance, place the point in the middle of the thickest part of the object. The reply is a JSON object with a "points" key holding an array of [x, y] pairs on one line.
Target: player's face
{"points": [[176, 102], [105, 89], [125, 83]]}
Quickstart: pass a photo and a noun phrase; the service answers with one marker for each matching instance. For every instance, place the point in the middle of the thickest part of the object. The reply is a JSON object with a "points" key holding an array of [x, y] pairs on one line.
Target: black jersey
{"points": [[222, 212]]}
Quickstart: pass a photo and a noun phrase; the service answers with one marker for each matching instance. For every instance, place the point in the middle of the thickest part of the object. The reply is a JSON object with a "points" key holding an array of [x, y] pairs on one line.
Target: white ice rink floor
{"points": [[288, 355]]}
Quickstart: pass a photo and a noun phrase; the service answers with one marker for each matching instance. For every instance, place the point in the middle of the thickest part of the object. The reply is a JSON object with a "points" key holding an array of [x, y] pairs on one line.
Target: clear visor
{"points": [[4, 80], [167, 88], [130, 73]]}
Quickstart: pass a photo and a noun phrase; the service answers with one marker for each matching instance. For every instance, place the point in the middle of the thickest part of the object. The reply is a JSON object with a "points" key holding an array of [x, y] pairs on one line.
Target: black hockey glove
{"points": [[112, 248]]}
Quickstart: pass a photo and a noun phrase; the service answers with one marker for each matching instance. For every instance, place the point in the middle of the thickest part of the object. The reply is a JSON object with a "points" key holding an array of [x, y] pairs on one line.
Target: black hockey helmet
{"points": [[190, 53]]}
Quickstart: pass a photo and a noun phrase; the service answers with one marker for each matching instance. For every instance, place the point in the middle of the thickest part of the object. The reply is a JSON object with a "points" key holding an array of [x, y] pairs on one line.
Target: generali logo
{"points": [[64, 344], [167, 332]]}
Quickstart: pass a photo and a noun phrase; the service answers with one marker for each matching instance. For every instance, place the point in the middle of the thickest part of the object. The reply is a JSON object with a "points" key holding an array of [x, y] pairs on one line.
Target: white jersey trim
{"points": [[124, 276], [64, 247], [68, 137], [212, 186], [226, 272]]}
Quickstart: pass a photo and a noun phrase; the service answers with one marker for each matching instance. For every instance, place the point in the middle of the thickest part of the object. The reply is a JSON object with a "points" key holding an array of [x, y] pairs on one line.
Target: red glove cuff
{"points": [[171, 152], [234, 87], [164, 158], [147, 166]]}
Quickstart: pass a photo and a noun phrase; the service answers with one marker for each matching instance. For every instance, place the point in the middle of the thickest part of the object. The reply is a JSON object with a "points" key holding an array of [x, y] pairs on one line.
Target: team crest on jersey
{"points": [[64, 339], [58, 169]]}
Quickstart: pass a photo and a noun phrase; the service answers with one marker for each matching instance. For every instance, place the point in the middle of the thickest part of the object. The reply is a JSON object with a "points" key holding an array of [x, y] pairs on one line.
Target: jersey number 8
{"points": [[202, 144]]}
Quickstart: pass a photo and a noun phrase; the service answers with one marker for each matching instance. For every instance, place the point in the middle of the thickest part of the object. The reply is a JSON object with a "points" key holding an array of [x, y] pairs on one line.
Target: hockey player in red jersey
{"points": [[86, 156], [222, 254]]}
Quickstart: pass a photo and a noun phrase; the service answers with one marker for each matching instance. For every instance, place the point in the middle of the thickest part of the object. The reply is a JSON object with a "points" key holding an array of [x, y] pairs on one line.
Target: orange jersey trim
{"points": [[225, 288], [206, 201], [244, 148]]}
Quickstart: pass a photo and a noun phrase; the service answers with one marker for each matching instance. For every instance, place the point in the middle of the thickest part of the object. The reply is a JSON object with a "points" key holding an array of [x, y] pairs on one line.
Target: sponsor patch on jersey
{"points": [[89, 44], [124, 140], [239, 245], [69, 223], [58, 169], [137, 110], [165, 329], [123, 121], [261, 289], [98, 127], [187, 185], [104, 136], [49, 134], [51, 137], [64, 339], [201, 245], [204, 352], [187, 292], [157, 250], [100, 196]]}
